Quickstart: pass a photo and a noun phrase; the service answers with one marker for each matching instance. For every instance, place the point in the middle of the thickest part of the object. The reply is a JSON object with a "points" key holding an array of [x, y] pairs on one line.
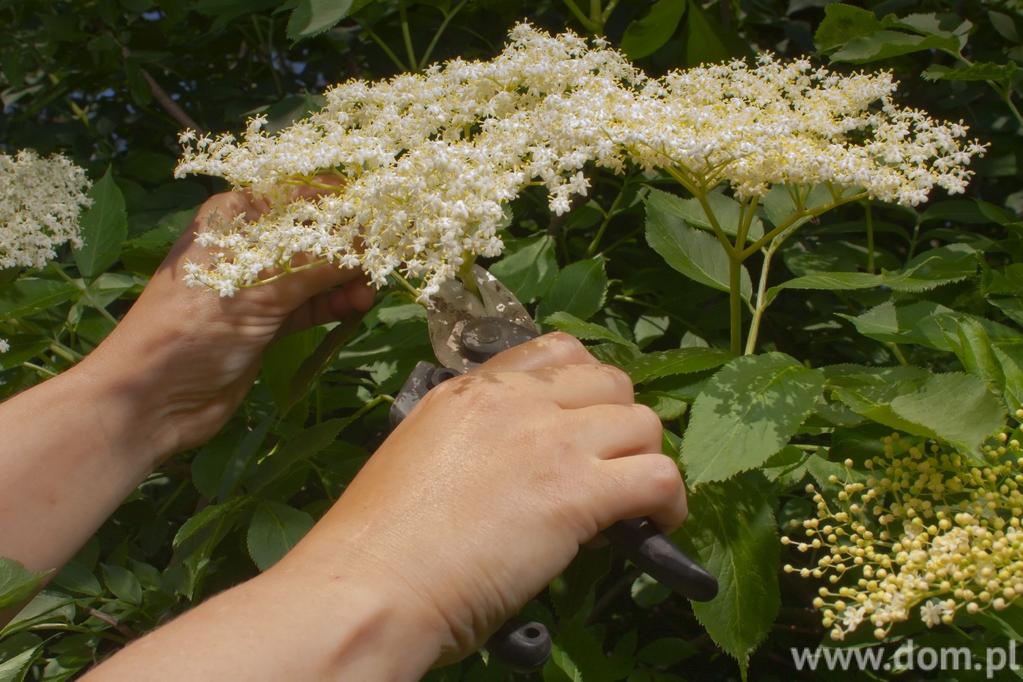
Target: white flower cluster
{"points": [[40, 202], [924, 528], [415, 172]]}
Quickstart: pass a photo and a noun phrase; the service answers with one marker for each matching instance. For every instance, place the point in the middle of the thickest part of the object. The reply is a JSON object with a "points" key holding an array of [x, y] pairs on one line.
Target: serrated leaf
{"points": [[747, 412], [312, 17], [903, 323], [589, 331], [667, 363], [275, 528], [843, 23], [888, 44], [206, 517], [646, 35], [957, 408], [980, 71], [16, 668], [104, 228], [827, 281], [732, 532], [579, 290], [694, 253], [17, 583], [529, 270], [32, 295]]}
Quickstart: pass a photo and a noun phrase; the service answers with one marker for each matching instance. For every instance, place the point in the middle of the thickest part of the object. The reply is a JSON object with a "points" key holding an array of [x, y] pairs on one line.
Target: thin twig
{"points": [[169, 105]]}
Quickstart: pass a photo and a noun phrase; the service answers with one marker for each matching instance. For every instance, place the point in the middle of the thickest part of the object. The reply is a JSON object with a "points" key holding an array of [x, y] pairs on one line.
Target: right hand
{"points": [[485, 492]]}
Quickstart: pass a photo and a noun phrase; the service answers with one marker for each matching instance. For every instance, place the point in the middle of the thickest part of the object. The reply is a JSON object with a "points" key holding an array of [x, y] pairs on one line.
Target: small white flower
{"points": [[427, 162], [40, 203]]}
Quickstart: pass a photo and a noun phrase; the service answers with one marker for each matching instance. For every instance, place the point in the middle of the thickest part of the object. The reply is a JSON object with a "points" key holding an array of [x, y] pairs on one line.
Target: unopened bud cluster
{"points": [[416, 172], [925, 531]]}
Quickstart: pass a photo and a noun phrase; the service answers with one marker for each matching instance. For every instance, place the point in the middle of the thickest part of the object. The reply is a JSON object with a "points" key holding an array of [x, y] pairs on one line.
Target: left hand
{"points": [[189, 355]]}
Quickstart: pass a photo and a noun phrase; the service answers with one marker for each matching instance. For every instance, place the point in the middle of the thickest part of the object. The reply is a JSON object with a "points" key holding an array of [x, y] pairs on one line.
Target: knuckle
{"points": [[621, 380], [648, 422], [566, 347], [664, 478]]}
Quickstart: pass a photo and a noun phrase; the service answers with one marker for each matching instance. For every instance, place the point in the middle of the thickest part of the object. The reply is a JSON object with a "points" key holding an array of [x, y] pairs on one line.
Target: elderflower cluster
{"points": [[925, 530], [40, 202], [413, 174]]}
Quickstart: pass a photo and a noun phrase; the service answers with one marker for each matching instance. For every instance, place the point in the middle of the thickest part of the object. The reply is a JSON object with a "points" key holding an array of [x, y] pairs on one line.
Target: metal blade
{"points": [[500, 302], [453, 306]]}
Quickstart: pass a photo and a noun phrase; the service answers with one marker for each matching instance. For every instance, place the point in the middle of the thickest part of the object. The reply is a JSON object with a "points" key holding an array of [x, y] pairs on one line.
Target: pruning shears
{"points": [[466, 329]]}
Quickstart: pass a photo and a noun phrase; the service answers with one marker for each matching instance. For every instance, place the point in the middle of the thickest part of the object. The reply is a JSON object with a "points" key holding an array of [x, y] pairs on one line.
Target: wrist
{"points": [[125, 402], [356, 625]]}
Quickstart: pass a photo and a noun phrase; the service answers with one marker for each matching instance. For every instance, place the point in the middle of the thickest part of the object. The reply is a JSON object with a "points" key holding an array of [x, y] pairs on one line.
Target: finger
{"points": [[641, 485], [549, 350], [329, 306], [609, 431], [576, 386]]}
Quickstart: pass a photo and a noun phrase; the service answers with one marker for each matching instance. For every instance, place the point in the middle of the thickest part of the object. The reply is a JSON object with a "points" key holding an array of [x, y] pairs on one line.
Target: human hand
{"points": [[188, 356], [487, 489]]}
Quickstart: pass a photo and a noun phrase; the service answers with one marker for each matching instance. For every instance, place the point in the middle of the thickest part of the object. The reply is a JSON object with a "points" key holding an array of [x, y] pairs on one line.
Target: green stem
{"points": [[1005, 93], [897, 352], [102, 311], [387, 50], [735, 303], [606, 14], [793, 219], [440, 31], [608, 215], [870, 236], [404, 284], [762, 303], [583, 19], [406, 35], [58, 348]]}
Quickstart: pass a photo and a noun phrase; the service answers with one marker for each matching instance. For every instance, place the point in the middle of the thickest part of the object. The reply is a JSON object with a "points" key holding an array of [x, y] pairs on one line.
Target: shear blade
{"points": [[454, 306]]}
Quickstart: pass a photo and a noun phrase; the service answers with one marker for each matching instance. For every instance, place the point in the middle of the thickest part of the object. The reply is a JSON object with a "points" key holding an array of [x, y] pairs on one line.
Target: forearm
{"points": [[284, 626], [73, 448]]}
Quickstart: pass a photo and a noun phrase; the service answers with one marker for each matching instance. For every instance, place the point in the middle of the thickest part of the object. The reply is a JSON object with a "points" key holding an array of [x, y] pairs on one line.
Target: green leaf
{"points": [[887, 44], [528, 270], [694, 253], [957, 408], [914, 323], [706, 40], [193, 528], [726, 212], [646, 35], [123, 584], [589, 331], [16, 668], [746, 413], [979, 71], [104, 228], [312, 17], [731, 530], [934, 268], [843, 23], [578, 290], [275, 528], [17, 583], [827, 281], [282, 359], [32, 295], [667, 363]]}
